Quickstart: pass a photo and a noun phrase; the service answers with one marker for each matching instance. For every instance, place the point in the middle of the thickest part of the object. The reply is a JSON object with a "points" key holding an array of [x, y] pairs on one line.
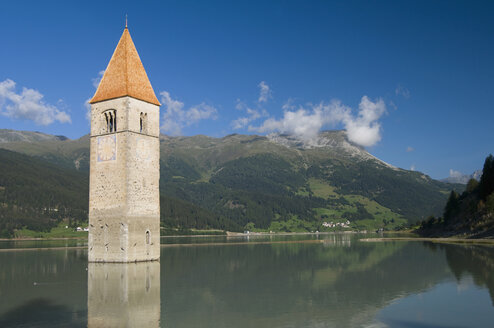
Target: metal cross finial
{"points": [[125, 20]]}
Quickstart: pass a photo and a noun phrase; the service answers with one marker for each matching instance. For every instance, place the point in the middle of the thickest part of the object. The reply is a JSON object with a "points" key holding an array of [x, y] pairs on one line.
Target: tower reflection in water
{"points": [[124, 294]]}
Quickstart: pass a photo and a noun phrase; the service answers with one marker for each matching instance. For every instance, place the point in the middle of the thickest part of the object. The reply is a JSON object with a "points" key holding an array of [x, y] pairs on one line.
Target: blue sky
{"points": [[412, 81]]}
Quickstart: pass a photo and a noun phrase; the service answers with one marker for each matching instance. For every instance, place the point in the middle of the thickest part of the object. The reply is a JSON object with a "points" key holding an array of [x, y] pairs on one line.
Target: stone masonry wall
{"points": [[124, 208]]}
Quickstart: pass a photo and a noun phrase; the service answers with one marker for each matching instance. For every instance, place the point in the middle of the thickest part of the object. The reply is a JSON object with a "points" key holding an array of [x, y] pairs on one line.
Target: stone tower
{"points": [[124, 208]]}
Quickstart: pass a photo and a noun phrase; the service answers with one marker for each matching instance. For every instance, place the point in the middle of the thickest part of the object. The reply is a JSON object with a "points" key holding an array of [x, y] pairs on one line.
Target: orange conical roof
{"points": [[125, 75]]}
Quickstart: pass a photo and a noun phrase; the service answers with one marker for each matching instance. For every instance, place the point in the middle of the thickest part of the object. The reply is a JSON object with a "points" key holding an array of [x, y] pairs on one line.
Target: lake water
{"points": [[283, 281]]}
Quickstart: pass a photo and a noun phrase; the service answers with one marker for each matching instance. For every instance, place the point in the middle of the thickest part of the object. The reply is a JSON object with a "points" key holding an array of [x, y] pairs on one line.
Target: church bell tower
{"points": [[124, 208]]}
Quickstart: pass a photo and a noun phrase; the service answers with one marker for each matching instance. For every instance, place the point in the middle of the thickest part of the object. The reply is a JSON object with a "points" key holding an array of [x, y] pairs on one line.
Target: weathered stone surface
{"points": [[124, 212]]}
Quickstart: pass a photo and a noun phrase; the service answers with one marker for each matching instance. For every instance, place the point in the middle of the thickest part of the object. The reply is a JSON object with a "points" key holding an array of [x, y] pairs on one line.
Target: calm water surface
{"points": [[282, 281]]}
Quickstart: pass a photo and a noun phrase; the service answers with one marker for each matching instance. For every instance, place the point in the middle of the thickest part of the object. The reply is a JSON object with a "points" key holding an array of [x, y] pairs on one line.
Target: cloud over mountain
{"points": [[307, 121], [175, 117], [28, 105], [252, 115]]}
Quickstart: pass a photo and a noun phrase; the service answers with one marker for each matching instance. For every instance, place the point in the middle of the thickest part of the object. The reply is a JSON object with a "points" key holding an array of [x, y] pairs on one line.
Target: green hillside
{"points": [[37, 194], [280, 183], [273, 183]]}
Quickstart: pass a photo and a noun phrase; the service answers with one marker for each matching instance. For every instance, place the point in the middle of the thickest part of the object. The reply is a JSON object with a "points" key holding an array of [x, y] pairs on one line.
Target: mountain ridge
{"points": [[8, 135], [463, 178]]}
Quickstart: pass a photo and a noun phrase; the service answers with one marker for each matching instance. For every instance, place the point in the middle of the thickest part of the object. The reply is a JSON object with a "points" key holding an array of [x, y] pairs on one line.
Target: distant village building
{"points": [[337, 224], [124, 208]]}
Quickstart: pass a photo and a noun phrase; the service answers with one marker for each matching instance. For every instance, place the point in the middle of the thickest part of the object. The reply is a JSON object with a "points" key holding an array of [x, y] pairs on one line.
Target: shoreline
{"points": [[228, 234], [483, 241], [38, 238]]}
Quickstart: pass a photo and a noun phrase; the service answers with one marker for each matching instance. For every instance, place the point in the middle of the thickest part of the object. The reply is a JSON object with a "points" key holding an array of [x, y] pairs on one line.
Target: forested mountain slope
{"points": [[274, 183], [470, 213], [37, 194]]}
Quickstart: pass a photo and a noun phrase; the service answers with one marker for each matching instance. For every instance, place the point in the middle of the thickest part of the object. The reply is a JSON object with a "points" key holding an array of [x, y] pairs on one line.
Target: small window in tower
{"points": [[143, 123], [110, 120], [148, 238], [110, 126], [107, 119]]}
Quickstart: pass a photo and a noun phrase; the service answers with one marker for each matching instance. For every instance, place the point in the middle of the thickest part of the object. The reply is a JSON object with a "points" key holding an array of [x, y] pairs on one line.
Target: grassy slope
{"points": [[58, 231]]}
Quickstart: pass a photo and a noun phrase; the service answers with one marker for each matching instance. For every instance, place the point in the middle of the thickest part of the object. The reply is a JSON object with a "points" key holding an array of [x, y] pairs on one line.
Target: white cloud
{"points": [[455, 174], [172, 105], [264, 93], [28, 105], [412, 168], [200, 112], [88, 109], [289, 104], [304, 123], [175, 117], [410, 149], [402, 91], [252, 115], [97, 79], [363, 129]]}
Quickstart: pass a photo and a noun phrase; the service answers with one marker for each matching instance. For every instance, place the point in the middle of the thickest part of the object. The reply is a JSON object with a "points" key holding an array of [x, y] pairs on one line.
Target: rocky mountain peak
{"points": [[335, 140], [7, 136]]}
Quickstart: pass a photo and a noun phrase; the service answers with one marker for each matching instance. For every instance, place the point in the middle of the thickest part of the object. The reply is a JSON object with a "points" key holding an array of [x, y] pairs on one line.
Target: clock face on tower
{"points": [[107, 148]]}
